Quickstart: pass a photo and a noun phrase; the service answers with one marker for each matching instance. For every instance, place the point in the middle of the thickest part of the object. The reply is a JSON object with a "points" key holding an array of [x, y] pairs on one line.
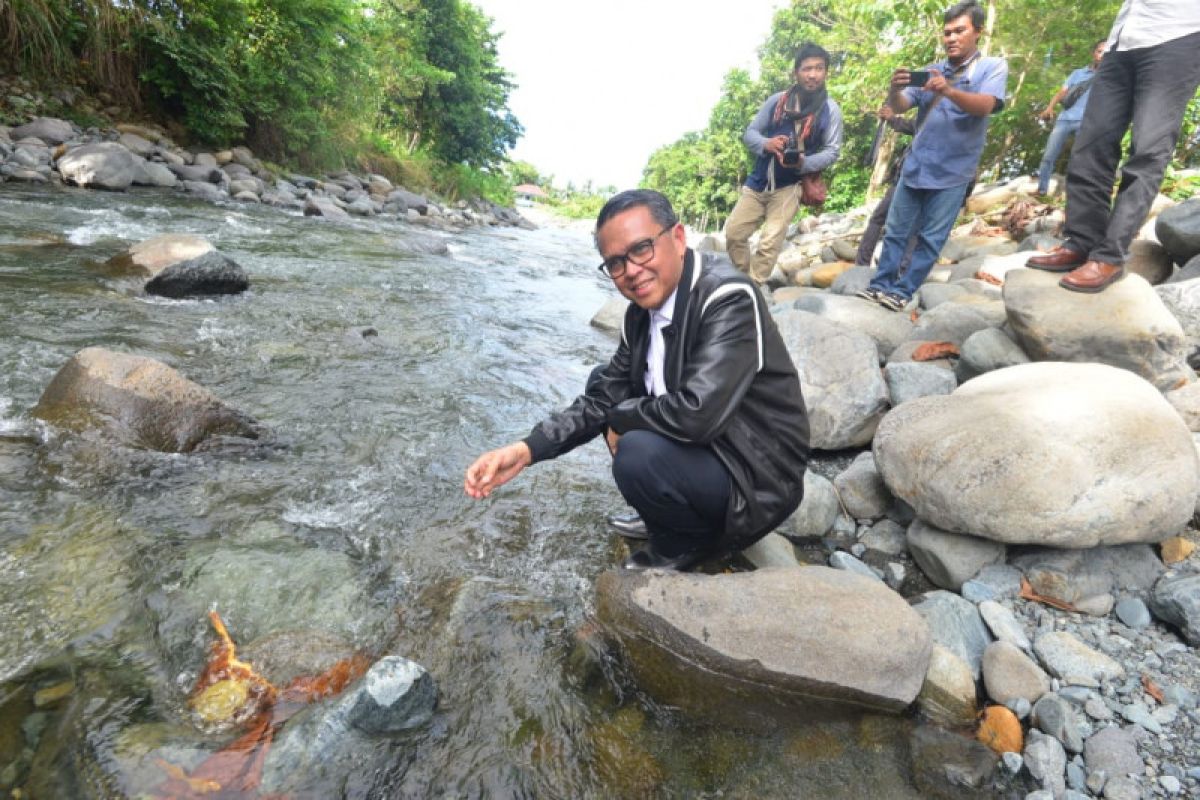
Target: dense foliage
{"points": [[1042, 41], [411, 83]]}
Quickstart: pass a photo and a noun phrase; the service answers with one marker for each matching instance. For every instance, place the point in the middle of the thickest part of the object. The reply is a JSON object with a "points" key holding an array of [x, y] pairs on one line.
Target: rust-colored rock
{"points": [[1000, 730], [932, 351]]}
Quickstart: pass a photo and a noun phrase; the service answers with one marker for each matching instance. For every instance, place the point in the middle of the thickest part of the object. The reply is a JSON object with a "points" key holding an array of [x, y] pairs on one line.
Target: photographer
{"points": [[955, 97], [811, 121]]}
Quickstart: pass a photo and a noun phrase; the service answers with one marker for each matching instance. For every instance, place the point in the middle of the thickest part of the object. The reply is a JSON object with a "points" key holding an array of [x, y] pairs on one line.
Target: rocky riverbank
{"points": [[117, 157], [1018, 463]]}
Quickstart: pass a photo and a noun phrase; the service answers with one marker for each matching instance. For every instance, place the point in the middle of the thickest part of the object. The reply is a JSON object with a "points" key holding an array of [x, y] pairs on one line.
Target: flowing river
{"points": [[382, 370]]}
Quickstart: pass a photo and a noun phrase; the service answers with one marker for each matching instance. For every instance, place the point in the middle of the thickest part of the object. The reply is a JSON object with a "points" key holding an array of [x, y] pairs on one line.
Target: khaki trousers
{"points": [[777, 208]]}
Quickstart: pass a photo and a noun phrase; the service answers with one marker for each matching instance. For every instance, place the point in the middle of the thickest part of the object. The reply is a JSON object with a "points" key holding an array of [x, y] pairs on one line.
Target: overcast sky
{"points": [[603, 83]]}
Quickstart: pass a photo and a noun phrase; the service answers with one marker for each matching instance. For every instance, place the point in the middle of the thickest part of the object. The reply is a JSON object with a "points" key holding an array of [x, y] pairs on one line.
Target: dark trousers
{"points": [[680, 490], [870, 237], [1149, 87]]}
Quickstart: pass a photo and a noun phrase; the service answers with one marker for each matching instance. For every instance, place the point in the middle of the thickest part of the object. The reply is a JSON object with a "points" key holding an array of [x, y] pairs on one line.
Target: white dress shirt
{"points": [[656, 355], [1145, 23]]}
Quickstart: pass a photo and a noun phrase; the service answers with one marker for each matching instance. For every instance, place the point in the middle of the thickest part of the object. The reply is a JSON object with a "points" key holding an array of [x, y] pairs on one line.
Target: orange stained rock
{"points": [[988, 277], [932, 351], [1176, 549], [235, 770], [1000, 730], [1152, 688]]}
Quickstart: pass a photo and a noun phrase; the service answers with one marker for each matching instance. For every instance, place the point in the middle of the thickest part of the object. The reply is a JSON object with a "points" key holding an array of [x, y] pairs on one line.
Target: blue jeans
{"points": [[1054, 147], [930, 215]]}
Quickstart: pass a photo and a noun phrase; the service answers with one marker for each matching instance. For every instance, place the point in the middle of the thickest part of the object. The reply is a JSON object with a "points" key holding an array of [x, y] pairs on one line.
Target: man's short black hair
{"points": [[655, 202], [810, 50], [969, 8]]}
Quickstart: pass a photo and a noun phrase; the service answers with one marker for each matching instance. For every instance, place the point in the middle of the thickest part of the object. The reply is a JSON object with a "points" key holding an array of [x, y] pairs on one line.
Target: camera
{"points": [[791, 152]]}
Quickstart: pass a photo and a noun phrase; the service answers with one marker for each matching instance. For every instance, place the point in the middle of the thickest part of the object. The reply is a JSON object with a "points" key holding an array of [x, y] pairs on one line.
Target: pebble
{"points": [[1165, 715], [894, 574], [1179, 696], [1097, 709], [1133, 612], [1138, 714], [1019, 706], [1096, 780], [858, 550], [847, 562], [1012, 762], [1076, 778], [1170, 783], [1120, 787]]}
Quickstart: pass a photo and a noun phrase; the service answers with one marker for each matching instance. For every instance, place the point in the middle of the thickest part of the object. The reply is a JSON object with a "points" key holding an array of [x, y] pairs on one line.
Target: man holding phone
{"points": [[806, 114], [954, 98]]}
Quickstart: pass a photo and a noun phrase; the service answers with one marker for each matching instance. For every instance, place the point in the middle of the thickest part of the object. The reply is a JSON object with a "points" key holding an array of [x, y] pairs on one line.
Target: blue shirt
{"points": [[1075, 112], [949, 141]]}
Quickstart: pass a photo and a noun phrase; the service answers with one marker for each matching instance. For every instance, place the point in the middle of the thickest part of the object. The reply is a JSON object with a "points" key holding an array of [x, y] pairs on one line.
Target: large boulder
{"points": [[49, 129], [887, 328], [103, 165], [1127, 473], [141, 401], [208, 274], [611, 315], [1182, 299], [839, 371], [152, 256], [1178, 228], [808, 638], [1126, 326], [323, 207]]}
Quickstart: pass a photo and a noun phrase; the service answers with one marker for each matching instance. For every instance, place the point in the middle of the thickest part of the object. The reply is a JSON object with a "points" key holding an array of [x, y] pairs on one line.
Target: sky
{"points": [[601, 84]]}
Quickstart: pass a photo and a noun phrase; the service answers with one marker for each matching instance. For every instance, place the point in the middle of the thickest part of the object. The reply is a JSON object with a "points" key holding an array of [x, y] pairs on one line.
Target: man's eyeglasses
{"points": [[639, 253]]}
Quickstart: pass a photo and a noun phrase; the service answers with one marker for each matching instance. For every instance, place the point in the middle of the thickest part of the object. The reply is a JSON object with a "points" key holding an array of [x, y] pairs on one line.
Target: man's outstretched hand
{"points": [[496, 468]]}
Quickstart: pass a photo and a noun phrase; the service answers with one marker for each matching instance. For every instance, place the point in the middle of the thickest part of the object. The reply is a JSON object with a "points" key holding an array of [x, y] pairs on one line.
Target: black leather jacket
{"points": [[731, 385]]}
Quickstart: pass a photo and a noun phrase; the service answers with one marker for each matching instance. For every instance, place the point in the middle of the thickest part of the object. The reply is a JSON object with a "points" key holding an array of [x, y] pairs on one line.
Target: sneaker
{"points": [[869, 293], [893, 301]]}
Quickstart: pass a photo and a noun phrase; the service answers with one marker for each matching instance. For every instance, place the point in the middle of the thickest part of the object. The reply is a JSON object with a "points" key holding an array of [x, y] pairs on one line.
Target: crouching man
{"points": [[700, 404]]}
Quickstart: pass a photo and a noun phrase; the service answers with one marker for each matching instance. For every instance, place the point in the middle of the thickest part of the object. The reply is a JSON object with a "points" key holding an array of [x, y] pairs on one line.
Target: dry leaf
{"points": [[1152, 688], [988, 277], [1028, 593], [932, 351]]}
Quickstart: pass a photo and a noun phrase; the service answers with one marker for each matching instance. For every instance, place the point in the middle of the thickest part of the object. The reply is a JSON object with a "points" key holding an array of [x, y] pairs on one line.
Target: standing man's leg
{"points": [[1166, 79], [870, 237], [940, 209], [901, 221], [1092, 169], [1054, 147], [748, 213], [782, 205]]}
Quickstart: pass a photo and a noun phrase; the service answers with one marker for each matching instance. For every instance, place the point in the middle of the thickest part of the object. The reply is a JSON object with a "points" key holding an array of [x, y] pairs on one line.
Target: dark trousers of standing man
{"points": [[1150, 87]]}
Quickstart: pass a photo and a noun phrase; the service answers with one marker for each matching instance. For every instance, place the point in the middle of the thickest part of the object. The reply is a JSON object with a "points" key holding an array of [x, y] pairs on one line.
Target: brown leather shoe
{"points": [[1060, 259], [1092, 277]]}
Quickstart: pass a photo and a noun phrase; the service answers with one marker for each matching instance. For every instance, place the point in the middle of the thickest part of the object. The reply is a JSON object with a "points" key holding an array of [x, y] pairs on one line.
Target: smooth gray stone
{"points": [[1055, 716], [1176, 600], [1003, 624], [1001, 580], [1133, 612], [955, 322], [818, 511], [886, 536], [396, 695], [1113, 750], [1067, 658], [1019, 706], [1046, 761], [1178, 228], [1179, 695], [844, 561], [862, 491], [985, 351], [948, 559], [956, 625], [908, 380]]}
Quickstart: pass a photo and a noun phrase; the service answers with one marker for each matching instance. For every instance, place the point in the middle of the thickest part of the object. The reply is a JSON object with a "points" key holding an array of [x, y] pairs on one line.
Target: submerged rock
{"points": [[152, 256], [143, 402], [811, 638], [209, 274]]}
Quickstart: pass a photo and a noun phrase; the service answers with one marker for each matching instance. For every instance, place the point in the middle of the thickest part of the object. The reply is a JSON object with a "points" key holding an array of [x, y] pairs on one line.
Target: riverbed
{"points": [[381, 367]]}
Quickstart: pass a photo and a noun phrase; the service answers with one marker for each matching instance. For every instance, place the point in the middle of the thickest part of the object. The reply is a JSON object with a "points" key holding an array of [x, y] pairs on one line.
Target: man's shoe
{"points": [[631, 526], [893, 301], [869, 294], [649, 558], [1060, 259], [1092, 277]]}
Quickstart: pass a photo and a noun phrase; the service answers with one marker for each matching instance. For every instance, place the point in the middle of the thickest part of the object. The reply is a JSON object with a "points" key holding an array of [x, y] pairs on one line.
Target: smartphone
{"points": [[918, 77]]}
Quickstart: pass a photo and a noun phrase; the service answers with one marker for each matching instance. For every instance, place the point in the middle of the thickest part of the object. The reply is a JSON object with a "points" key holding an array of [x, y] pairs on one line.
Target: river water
{"points": [[351, 525]]}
